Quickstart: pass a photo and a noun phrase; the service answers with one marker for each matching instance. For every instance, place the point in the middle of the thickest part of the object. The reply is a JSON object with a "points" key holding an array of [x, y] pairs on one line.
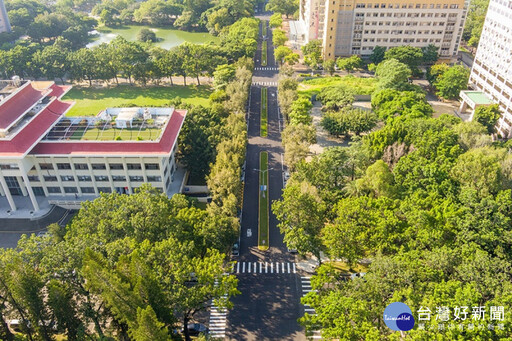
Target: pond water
{"points": [[168, 37]]}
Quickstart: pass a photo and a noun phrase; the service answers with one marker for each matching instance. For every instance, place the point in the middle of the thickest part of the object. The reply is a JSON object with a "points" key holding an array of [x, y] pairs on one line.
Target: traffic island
{"points": [[263, 241], [264, 53], [264, 113]]}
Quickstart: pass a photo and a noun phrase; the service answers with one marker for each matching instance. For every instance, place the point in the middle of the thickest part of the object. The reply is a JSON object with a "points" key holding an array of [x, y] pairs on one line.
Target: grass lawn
{"points": [[264, 28], [264, 111], [90, 101], [264, 53], [361, 86], [111, 134], [263, 241]]}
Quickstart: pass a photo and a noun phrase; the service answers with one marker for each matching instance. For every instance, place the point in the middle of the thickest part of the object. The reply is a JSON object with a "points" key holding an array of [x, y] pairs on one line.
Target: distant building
{"points": [[5, 26], [355, 27], [44, 153], [491, 74]]}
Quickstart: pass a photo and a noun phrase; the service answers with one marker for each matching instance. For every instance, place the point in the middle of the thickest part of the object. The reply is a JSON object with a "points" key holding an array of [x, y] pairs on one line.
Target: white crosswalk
{"points": [[264, 268], [265, 83], [306, 288], [268, 68], [217, 323]]}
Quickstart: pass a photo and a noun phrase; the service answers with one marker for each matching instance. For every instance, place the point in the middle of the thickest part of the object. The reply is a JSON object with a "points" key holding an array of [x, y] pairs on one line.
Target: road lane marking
{"points": [[260, 266], [254, 267], [249, 267], [271, 268], [288, 267], [243, 267], [277, 268], [294, 270], [283, 266], [238, 267], [266, 267]]}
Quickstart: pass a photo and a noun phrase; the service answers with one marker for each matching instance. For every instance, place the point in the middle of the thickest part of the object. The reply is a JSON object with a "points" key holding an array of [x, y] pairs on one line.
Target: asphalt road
{"points": [[11, 230], [269, 304]]}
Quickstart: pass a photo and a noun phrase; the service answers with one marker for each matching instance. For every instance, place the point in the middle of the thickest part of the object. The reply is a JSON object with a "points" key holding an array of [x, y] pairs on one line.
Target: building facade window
{"points": [[104, 189], [33, 178], [98, 166], [63, 166], [101, 178], [136, 178], [67, 178], [152, 166], [70, 190], [87, 189], [134, 166], [81, 166], [84, 178], [154, 178], [50, 178], [45, 166], [9, 166], [53, 189], [118, 178], [114, 166]]}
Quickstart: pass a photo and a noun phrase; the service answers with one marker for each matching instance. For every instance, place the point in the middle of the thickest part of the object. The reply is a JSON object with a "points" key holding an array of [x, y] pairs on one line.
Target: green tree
{"points": [[329, 66], [276, 20], [286, 7], [281, 52], [226, 13], [451, 82], [296, 141], [483, 170], [392, 74], [435, 71], [487, 116], [430, 54], [158, 12], [53, 62], [279, 37], [408, 55], [336, 97], [83, 65], [472, 135], [312, 53], [300, 111], [301, 216], [223, 75], [475, 21], [146, 35], [378, 54], [349, 64], [389, 102], [149, 328]]}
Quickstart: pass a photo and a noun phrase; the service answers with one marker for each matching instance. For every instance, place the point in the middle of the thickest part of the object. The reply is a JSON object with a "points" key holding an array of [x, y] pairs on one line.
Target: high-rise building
{"points": [[5, 26], [348, 27], [492, 68]]}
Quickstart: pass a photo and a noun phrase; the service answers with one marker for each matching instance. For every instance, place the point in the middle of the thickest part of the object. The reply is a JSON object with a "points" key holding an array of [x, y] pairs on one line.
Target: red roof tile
{"points": [[34, 130], [59, 90], [12, 108], [163, 146]]}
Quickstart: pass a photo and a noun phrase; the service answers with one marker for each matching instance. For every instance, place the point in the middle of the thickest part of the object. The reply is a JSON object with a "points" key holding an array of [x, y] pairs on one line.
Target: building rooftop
{"points": [[32, 121], [478, 97], [161, 145], [113, 124]]}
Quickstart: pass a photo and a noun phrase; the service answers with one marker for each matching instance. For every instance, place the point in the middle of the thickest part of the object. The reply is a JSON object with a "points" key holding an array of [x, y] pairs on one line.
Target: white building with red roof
{"points": [[44, 153]]}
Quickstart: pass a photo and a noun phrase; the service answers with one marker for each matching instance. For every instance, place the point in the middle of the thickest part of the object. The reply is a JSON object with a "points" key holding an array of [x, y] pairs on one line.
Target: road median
{"points": [[263, 234]]}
